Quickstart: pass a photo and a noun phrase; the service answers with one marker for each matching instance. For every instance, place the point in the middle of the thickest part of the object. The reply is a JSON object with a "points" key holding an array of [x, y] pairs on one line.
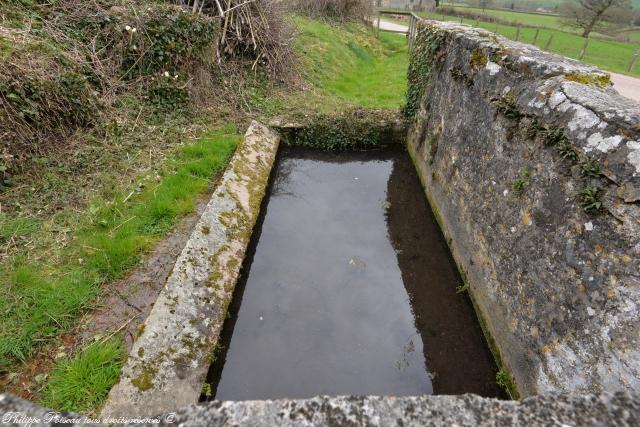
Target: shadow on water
{"points": [[348, 288], [455, 350]]}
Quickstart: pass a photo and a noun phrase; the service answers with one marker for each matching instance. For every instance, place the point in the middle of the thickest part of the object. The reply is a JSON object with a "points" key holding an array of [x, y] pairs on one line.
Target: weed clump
{"points": [[507, 105], [478, 59], [167, 96], [522, 181], [503, 379], [590, 199]]}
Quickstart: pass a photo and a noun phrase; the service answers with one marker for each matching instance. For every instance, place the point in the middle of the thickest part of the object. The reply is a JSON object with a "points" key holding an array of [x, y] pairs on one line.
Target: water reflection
{"points": [[325, 302]]}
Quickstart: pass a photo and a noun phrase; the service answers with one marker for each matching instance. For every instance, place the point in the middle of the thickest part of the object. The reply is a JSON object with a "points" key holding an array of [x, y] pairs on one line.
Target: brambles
{"points": [[258, 30], [159, 39], [168, 96], [343, 10], [44, 96]]}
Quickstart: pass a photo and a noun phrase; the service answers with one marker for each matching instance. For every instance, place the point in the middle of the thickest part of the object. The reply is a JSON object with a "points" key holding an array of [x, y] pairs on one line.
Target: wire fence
{"points": [[610, 55]]}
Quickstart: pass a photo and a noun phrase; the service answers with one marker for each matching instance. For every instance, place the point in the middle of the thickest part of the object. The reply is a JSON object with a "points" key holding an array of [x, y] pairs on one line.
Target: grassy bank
{"points": [[44, 298], [350, 67]]}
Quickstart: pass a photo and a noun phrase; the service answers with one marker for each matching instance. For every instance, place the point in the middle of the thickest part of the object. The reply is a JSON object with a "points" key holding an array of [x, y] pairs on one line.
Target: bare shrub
{"points": [[255, 29], [44, 94], [343, 10]]}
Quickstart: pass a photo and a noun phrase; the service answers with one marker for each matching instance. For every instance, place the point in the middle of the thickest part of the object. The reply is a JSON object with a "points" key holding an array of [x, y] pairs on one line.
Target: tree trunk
{"points": [[437, 3], [589, 27]]}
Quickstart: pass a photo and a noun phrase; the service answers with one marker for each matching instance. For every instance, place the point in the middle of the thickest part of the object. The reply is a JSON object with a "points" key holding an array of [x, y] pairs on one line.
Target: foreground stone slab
{"points": [[169, 360], [620, 409], [531, 162]]}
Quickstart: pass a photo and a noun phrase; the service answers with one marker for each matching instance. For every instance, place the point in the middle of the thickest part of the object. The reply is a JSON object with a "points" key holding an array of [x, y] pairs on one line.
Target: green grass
{"points": [[38, 301], [81, 383], [350, 64], [609, 55], [533, 19]]}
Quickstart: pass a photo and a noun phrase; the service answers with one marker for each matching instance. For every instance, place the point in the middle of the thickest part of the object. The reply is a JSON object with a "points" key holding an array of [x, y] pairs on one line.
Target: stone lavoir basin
{"points": [[348, 288]]}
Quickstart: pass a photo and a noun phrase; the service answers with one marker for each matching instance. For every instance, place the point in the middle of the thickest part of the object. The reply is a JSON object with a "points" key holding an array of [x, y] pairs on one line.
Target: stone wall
{"points": [[531, 163]]}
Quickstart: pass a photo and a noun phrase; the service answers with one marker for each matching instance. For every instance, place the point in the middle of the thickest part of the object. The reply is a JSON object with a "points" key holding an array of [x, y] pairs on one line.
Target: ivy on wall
{"points": [[423, 59]]}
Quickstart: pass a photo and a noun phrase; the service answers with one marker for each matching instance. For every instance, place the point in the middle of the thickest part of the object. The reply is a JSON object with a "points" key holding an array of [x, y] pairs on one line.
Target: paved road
{"points": [[625, 85]]}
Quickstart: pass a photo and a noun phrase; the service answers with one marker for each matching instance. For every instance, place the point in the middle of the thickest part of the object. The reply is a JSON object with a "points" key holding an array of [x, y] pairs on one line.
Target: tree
{"points": [[483, 4], [591, 15]]}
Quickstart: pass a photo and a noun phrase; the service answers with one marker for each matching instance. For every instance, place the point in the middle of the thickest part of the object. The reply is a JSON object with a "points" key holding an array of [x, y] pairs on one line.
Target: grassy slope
{"points": [[351, 67], [608, 55], [47, 287]]}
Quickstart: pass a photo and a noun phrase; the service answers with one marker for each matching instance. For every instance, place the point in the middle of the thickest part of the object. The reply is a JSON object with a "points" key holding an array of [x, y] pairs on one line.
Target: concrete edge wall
{"points": [[169, 360], [557, 288]]}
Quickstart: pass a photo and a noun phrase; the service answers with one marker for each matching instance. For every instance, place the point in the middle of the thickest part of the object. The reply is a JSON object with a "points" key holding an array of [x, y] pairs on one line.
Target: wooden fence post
{"points": [[535, 36], [584, 49], [518, 32], [378, 32], [410, 32], [634, 58], [548, 44]]}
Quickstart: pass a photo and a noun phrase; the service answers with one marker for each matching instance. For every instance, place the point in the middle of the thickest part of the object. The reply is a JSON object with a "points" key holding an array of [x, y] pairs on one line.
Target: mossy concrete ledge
{"points": [[531, 162], [169, 360]]}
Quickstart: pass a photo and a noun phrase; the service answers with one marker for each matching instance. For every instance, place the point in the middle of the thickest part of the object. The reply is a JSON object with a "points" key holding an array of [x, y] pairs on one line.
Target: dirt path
{"points": [[625, 85]]}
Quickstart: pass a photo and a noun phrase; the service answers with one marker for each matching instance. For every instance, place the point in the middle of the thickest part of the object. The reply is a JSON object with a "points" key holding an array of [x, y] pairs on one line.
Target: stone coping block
{"points": [[619, 409], [170, 358]]}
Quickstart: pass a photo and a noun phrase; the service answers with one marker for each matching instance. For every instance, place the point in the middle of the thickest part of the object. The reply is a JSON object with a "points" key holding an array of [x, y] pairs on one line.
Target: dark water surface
{"points": [[349, 288]]}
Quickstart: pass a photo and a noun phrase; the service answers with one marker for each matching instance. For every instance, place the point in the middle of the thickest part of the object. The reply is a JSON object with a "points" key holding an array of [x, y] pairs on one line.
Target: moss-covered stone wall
{"points": [[533, 163]]}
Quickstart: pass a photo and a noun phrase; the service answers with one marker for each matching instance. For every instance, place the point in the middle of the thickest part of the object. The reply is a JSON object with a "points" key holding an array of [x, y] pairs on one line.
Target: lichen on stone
{"points": [[601, 80]]}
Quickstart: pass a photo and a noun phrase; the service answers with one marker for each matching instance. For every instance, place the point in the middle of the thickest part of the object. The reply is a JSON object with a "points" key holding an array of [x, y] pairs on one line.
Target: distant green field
{"points": [[633, 35], [534, 4], [532, 19], [609, 55]]}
